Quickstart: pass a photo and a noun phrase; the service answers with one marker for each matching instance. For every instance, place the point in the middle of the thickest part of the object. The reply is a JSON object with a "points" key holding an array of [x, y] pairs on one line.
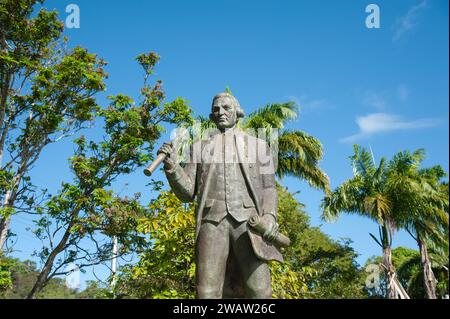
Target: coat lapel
{"points": [[241, 143]]}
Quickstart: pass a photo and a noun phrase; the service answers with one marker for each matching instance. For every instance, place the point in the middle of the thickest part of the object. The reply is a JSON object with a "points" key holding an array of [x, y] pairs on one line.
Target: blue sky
{"points": [[386, 88]]}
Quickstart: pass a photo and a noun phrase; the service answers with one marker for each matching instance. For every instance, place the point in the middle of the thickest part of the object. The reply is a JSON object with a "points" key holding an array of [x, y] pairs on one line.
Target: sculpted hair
{"points": [[239, 111]]}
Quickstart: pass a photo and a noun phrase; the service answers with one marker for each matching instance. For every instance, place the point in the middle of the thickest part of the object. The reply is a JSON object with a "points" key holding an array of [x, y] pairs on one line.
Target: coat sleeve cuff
{"points": [[271, 213]]}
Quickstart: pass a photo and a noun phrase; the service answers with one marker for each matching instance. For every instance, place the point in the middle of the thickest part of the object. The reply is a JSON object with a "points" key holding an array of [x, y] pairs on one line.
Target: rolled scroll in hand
{"points": [[261, 225]]}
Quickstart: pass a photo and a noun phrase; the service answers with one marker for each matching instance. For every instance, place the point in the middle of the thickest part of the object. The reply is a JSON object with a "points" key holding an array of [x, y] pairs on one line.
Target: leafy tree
{"points": [[336, 272], [94, 290], [22, 275], [5, 273], [46, 94], [166, 269], [412, 275], [329, 267], [85, 208]]}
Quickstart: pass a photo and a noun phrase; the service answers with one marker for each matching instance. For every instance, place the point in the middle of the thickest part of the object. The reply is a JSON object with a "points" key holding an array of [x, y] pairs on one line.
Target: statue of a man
{"points": [[231, 175]]}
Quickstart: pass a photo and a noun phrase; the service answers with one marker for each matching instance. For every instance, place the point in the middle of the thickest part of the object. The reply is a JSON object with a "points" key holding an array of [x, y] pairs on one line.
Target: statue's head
{"points": [[225, 111]]}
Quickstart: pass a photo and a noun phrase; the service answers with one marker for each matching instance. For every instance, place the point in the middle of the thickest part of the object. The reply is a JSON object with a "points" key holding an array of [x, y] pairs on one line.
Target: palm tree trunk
{"points": [[387, 262], [394, 287], [429, 280], [392, 292]]}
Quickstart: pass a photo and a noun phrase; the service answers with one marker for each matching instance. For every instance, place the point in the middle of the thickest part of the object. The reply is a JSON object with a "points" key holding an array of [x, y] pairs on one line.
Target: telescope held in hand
{"points": [[154, 165], [178, 135]]}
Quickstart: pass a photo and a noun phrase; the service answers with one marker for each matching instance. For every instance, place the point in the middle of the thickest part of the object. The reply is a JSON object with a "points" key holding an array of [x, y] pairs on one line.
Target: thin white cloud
{"points": [[385, 100], [308, 104], [403, 92], [407, 22], [382, 122], [376, 100]]}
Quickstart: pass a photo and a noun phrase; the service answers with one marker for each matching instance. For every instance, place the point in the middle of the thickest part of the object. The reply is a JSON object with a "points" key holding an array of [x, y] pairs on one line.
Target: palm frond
{"points": [[436, 172], [272, 115], [294, 166], [345, 198], [362, 161], [376, 239], [305, 146]]}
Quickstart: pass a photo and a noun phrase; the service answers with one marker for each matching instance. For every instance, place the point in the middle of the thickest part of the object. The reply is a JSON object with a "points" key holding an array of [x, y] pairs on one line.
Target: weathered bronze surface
{"points": [[231, 175]]}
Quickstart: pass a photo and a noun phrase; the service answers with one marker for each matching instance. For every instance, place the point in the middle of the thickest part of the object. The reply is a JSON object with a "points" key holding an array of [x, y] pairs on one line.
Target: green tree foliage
{"points": [[400, 256], [368, 194], [329, 266], [6, 281], [409, 269], [22, 275], [410, 272], [423, 210], [166, 269], [94, 290], [396, 195], [46, 93], [86, 207], [313, 269]]}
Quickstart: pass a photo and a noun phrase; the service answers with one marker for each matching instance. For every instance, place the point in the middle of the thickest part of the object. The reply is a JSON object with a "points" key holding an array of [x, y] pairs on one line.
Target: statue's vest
{"points": [[228, 193]]}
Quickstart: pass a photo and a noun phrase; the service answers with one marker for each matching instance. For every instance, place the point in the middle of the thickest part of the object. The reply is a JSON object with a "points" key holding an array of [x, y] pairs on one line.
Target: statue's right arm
{"points": [[182, 181]]}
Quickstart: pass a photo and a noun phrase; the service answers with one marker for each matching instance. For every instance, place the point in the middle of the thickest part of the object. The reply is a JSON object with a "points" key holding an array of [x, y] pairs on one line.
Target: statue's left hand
{"points": [[272, 231]]}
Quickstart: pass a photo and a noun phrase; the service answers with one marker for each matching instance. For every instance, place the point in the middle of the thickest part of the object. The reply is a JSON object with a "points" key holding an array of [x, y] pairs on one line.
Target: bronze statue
{"points": [[231, 175]]}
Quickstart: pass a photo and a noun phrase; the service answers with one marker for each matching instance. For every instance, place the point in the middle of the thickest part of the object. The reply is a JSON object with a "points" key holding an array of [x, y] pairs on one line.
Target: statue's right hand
{"points": [[169, 161]]}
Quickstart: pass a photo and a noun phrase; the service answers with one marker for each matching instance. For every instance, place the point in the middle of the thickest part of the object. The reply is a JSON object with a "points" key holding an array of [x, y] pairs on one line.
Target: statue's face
{"points": [[224, 113]]}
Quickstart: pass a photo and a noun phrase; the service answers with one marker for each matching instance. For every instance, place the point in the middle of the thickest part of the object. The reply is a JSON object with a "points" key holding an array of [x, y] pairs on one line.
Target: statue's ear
{"points": [[239, 112]]}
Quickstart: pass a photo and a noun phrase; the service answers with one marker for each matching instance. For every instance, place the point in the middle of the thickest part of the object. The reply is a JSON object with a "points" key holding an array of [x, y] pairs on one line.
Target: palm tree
{"points": [[423, 206], [298, 152], [368, 194]]}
